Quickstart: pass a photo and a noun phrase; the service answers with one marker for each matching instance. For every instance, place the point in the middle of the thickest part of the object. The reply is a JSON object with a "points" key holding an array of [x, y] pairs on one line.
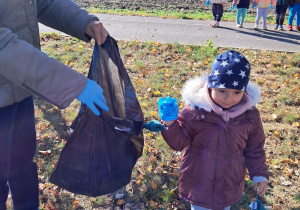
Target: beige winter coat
{"points": [[23, 68]]}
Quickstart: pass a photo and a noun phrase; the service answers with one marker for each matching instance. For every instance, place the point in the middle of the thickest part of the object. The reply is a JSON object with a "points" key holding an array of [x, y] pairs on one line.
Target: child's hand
{"points": [[262, 188], [154, 126], [223, 4], [168, 108]]}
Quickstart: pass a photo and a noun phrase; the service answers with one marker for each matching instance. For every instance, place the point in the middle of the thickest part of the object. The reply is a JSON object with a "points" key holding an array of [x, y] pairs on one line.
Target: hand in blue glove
{"points": [[271, 6], [168, 108], [233, 6], [93, 94], [207, 3], [154, 126]]}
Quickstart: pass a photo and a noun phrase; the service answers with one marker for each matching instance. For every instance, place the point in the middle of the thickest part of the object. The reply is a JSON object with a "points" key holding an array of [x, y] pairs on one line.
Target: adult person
{"points": [[25, 70]]}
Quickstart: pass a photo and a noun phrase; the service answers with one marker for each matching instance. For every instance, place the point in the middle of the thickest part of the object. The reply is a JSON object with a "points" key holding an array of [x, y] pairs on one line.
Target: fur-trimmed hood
{"points": [[193, 93]]}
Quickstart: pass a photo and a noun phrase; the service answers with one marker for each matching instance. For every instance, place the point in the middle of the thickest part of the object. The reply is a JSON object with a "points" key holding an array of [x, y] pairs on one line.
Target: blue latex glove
{"points": [[207, 3], [271, 6], [233, 6], [168, 108], [254, 5], [93, 94], [154, 126], [289, 8]]}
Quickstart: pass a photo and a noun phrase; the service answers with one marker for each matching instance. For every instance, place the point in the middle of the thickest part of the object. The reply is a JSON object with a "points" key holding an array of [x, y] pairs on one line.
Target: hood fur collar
{"points": [[193, 93]]}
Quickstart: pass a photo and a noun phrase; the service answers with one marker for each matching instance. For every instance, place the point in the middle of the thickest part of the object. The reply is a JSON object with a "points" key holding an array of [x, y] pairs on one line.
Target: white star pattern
{"points": [[235, 83], [224, 63], [241, 55], [216, 73], [243, 89], [222, 85], [213, 83], [230, 53], [229, 72], [237, 60], [247, 66], [242, 74]]}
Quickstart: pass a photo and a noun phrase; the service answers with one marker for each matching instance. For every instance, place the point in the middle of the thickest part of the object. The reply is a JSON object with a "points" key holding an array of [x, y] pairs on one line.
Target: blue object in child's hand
{"points": [[207, 3], [233, 6], [271, 6], [154, 126], [254, 5], [257, 205], [168, 108]]}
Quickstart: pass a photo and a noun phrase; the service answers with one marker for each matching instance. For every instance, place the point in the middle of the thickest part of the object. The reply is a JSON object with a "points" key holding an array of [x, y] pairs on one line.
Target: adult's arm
{"points": [[65, 16], [28, 67]]}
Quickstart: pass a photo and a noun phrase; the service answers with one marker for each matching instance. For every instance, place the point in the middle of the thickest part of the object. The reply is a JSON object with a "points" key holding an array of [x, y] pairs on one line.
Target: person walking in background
{"points": [[220, 133], [217, 10], [295, 9], [242, 6], [25, 70], [262, 11], [280, 11]]}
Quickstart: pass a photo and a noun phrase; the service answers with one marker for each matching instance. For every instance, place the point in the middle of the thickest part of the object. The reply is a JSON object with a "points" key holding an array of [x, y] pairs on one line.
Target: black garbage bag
{"points": [[101, 152]]}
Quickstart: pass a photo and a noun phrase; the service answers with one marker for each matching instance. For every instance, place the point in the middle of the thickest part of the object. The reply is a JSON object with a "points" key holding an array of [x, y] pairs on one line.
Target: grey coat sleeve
{"points": [[65, 16], [27, 67]]}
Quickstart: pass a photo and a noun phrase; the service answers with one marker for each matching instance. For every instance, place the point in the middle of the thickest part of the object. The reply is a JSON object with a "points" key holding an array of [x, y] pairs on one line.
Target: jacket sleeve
{"points": [[179, 135], [27, 67], [254, 152], [65, 16]]}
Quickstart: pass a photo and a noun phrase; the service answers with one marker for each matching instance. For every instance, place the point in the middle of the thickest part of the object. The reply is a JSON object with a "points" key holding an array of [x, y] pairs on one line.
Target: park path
{"points": [[196, 32]]}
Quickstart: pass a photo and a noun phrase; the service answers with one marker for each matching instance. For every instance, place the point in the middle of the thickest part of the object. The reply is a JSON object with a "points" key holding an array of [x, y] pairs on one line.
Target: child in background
{"points": [[221, 134], [280, 10], [262, 11], [217, 10], [242, 6], [295, 8]]}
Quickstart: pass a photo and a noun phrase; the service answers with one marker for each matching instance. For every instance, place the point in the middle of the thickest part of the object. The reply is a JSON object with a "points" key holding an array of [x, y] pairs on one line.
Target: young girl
{"points": [[242, 6], [280, 10], [295, 9], [221, 134], [262, 11], [217, 10]]}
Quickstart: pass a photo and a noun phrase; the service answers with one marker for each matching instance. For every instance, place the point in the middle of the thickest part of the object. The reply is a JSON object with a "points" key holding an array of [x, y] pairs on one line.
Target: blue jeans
{"points": [[18, 172], [295, 9], [241, 15]]}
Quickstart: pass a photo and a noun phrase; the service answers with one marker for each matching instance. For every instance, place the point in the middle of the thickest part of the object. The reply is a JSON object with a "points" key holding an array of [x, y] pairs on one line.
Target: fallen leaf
{"points": [[153, 185], [144, 188], [152, 203]]}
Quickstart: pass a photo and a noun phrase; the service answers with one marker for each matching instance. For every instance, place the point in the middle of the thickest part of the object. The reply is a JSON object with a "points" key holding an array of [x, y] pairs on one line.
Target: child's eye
{"points": [[238, 92], [221, 91]]}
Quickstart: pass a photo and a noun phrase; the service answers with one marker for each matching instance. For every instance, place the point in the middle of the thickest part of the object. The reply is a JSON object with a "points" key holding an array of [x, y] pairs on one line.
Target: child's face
{"points": [[226, 98]]}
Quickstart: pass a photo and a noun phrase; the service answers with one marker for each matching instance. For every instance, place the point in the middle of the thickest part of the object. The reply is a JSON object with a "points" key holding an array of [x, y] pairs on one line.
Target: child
{"points": [[242, 6], [280, 10], [295, 8], [221, 134], [217, 10], [262, 11]]}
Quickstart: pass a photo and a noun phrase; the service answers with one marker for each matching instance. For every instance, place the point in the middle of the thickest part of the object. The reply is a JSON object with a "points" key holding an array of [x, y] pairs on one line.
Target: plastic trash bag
{"points": [[101, 152]]}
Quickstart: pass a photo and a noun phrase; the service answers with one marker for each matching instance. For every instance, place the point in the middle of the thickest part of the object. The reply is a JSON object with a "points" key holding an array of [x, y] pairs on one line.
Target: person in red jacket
{"points": [[220, 133]]}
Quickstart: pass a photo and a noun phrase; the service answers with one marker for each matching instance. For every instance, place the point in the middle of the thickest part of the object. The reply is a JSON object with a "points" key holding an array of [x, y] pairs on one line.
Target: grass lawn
{"points": [[158, 70]]}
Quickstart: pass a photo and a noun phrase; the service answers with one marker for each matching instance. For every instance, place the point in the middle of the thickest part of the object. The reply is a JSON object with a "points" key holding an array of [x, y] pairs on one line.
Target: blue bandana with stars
{"points": [[230, 70]]}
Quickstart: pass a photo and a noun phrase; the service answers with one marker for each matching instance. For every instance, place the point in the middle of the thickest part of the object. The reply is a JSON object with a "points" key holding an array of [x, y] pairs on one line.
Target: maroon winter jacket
{"points": [[216, 153]]}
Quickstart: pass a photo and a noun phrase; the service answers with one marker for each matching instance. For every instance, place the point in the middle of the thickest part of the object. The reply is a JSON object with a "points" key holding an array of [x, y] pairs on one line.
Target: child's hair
{"points": [[230, 70]]}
